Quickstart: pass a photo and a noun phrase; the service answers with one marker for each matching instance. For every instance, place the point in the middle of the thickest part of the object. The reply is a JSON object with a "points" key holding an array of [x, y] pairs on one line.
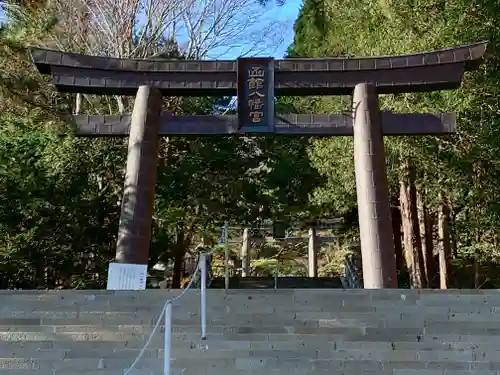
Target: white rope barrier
{"points": [[166, 313]]}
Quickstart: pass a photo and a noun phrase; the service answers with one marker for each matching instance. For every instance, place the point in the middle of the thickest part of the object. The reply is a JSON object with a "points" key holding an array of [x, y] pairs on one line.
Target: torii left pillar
{"points": [[372, 188], [134, 233]]}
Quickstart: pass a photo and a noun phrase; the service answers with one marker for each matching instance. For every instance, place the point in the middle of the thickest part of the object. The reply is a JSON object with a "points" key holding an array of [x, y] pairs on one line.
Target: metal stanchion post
{"points": [[203, 269], [167, 338]]}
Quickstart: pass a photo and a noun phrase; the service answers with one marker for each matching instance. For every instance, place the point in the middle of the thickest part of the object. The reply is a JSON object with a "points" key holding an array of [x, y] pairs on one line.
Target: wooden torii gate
{"points": [[256, 81]]}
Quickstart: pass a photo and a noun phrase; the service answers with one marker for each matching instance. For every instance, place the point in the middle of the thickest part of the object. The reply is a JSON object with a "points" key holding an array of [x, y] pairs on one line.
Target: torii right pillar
{"points": [[372, 188]]}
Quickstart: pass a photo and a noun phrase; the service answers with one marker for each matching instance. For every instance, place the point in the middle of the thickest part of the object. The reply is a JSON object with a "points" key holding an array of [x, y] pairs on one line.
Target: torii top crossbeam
{"points": [[437, 70]]}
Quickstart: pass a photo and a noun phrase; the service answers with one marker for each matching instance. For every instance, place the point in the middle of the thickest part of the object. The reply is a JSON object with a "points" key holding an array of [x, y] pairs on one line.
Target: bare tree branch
{"points": [[214, 28], [140, 28], [144, 28]]}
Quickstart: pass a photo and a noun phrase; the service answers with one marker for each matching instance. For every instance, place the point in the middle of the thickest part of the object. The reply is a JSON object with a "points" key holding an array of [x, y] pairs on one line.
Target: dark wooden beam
{"points": [[443, 69], [305, 125]]}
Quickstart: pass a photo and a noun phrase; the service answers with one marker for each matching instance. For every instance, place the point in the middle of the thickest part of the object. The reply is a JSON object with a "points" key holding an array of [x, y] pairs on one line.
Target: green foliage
{"points": [[57, 225]]}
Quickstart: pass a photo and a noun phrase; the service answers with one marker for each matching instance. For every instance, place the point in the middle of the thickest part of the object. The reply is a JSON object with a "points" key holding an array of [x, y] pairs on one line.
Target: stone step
{"points": [[432, 322], [247, 307], [363, 334], [262, 364], [233, 315], [186, 371], [257, 372], [254, 282], [424, 298], [306, 353], [126, 314], [127, 322], [374, 331], [59, 350]]}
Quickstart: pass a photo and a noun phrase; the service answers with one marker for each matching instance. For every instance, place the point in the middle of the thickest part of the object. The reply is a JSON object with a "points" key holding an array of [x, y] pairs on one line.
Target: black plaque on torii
{"points": [[255, 93]]}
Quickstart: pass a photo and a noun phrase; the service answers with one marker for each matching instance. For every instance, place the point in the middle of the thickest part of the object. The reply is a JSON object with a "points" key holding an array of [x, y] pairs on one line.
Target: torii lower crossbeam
{"points": [[306, 125], [366, 123]]}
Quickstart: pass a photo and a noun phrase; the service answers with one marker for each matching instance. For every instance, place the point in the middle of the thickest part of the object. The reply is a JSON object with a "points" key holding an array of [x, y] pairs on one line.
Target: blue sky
{"points": [[287, 13]]}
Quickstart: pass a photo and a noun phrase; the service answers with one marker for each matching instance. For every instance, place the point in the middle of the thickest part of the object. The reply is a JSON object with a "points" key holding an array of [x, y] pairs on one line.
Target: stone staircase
{"points": [[282, 282], [253, 332]]}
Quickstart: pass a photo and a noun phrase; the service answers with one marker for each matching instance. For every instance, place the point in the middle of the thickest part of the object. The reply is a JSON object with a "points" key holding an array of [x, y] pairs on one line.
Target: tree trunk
{"points": [[425, 240], [398, 244], [411, 230], [177, 270], [40, 270], [444, 241], [179, 255], [477, 265], [477, 274], [429, 241], [453, 234]]}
